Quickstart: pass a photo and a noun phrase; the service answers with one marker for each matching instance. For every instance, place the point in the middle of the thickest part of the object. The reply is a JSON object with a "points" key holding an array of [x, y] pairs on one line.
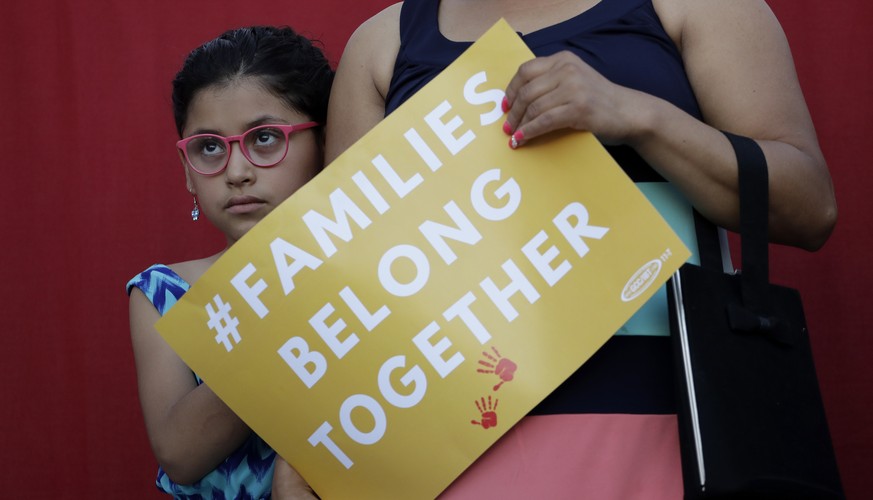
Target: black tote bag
{"points": [[751, 419]]}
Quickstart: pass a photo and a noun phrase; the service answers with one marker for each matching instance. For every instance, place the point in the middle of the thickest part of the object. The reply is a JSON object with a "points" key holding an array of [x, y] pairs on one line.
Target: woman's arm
{"points": [[357, 98], [190, 429], [740, 66]]}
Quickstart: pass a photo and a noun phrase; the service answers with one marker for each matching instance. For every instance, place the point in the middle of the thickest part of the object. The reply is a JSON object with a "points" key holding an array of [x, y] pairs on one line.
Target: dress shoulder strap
{"points": [[161, 285]]}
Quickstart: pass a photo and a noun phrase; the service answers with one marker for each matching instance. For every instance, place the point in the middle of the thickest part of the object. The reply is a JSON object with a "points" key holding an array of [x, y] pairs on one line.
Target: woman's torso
{"points": [[626, 389]]}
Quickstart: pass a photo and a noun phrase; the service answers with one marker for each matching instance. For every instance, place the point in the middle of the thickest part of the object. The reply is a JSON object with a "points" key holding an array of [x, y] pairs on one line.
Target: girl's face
{"points": [[241, 195]]}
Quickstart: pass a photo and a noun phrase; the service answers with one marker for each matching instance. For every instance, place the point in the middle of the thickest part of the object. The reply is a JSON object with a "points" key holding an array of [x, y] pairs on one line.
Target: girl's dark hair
{"points": [[287, 64]]}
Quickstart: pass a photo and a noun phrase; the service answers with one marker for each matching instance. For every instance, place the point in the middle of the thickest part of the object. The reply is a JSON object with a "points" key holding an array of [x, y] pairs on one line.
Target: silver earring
{"points": [[195, 214]]}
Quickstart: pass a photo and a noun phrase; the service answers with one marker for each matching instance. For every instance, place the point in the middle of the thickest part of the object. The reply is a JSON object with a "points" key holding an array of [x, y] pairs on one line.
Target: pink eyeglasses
{"points": [[264, 146]]}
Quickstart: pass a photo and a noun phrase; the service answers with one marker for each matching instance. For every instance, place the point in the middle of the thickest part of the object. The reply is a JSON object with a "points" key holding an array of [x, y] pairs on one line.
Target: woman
{"points": [[249, 107], [655, 81]]}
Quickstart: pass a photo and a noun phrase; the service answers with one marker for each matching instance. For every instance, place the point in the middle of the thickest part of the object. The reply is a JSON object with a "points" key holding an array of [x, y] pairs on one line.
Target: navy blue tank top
{"points": [[622, 39], [625, 41]]}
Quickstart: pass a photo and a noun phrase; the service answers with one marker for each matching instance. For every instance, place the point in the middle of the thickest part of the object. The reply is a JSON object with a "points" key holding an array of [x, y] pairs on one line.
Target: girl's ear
{"points": [[188, 183]]}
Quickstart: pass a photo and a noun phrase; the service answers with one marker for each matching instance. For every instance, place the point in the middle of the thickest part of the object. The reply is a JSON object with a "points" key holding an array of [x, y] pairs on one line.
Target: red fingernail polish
{"points": [[517, 137], [507, 128], [512, 143], [505, 105]]}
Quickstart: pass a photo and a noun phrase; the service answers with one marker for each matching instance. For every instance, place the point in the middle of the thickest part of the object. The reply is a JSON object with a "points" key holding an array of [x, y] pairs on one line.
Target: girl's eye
{"points": [[267, 137], [210, 147]]}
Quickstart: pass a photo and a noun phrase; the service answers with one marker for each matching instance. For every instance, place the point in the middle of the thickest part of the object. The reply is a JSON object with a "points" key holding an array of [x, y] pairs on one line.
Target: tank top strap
{"points": [[417, 19]]}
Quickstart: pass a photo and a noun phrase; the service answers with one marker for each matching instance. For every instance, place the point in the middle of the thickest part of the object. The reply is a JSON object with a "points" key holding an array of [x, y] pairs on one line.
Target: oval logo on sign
{"points": [[641, 280]]}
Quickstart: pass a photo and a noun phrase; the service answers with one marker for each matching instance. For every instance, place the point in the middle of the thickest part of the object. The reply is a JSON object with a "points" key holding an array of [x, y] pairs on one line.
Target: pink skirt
{"points": [[596, 456]]}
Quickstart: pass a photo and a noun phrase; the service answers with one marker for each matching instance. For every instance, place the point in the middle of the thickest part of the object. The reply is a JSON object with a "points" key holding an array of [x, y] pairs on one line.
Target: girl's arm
{"points": [[190, 429], [288, 484]]}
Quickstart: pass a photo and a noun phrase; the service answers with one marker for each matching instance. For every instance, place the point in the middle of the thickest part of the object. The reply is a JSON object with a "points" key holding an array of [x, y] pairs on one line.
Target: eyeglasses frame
{"points": [[182, 145]]}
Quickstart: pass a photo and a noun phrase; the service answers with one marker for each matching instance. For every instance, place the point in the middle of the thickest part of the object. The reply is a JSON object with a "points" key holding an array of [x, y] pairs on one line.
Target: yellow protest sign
{"points": [[386, 324]]}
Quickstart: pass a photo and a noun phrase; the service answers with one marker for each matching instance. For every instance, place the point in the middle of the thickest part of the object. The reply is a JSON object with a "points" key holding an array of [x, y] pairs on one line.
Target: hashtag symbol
{"points": [[223, 323]]}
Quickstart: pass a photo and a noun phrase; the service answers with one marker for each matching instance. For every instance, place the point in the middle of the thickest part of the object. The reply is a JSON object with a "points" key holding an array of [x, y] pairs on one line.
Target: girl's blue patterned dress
{"points": [[248, 472]]}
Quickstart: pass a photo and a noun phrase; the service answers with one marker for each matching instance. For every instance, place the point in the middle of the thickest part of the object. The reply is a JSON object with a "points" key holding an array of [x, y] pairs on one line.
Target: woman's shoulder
{"points": [[383, 23], [375, 43], [672, 14], [687, 19], [357, 99]]}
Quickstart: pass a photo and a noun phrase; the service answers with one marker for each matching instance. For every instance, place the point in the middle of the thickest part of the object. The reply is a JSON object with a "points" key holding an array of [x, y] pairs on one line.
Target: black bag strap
{"points": [[754, 203], [754, 314]]}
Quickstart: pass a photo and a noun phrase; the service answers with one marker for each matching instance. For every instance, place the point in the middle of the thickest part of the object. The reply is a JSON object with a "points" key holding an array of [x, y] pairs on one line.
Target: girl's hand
{"points": [[288, 484]]}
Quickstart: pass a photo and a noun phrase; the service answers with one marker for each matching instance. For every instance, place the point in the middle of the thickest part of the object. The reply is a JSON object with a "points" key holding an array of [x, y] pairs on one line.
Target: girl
{"points": [[249, 108]]}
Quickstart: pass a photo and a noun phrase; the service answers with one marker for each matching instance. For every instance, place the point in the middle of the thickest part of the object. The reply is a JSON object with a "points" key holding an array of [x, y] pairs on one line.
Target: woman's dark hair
{"points": [[287, 64]]}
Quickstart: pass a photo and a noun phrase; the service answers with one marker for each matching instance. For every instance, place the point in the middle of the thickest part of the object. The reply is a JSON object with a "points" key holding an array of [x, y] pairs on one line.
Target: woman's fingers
{"points": [[558, 92]]}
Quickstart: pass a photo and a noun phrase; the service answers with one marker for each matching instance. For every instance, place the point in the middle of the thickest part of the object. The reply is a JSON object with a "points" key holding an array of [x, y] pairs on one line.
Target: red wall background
{"points": [[94, 194]]}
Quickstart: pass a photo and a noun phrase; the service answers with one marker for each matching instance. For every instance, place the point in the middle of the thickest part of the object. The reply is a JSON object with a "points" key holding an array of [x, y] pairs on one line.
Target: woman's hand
{"points": [[562, 91], [288, 484], [740, 68]]}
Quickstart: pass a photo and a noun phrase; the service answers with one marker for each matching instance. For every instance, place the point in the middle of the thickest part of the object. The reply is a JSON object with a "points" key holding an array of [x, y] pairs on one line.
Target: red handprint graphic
{"points": [[502, 367], [488, 412]]}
